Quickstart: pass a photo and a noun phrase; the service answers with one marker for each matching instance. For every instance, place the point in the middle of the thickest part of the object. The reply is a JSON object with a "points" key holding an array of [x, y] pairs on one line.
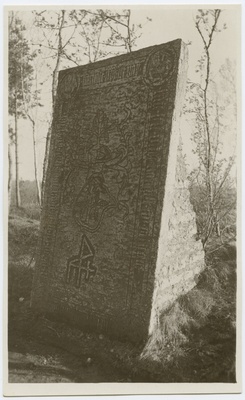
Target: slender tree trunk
{"points": [[35, 162], [45, 162], [10, 175], [208, 148], [32, 120], [58, 59], [129, 33], [54, 92], [209, 175], [209, 183], [98, 42], [218, 229], [17, 183]]}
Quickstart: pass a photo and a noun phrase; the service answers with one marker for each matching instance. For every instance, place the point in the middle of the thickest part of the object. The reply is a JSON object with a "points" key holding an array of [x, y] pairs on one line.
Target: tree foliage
{"points": [[23, 95], [19, 72], [20, 69], [65, 38], [211, 184]]}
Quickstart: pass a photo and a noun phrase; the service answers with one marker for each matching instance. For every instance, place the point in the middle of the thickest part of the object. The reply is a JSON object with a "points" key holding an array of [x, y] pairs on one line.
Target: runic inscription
{"points": [[81, 264], [114, 253]]}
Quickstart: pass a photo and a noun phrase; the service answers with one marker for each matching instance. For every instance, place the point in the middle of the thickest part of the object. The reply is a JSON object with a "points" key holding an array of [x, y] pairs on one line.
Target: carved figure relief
{"points": [[159, 66], [106, 167]]}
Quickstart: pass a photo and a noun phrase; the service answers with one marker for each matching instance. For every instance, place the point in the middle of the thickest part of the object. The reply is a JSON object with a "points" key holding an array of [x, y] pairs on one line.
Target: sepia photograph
{"points": [[122, 175]]}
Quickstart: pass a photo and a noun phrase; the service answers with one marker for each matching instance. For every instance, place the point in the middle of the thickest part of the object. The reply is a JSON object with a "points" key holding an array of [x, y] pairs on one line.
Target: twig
{"points": [[52, 329], [222, 245], [33, 256], [70, 59]]}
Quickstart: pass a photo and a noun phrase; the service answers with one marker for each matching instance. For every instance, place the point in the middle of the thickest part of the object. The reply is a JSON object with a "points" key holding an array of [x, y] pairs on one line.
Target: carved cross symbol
{"points": [[81, 263]]}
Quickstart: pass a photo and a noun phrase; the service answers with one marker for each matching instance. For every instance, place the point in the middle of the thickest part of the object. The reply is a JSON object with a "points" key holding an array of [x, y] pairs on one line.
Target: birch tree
{"points": [[19, 56], [75, 37], [211, 183], [10, 164], [23, 96]]}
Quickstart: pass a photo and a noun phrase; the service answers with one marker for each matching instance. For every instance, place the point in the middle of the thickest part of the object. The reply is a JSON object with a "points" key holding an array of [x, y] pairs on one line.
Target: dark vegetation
{"points": [[226, 223], [197, 342], [28, 193]]}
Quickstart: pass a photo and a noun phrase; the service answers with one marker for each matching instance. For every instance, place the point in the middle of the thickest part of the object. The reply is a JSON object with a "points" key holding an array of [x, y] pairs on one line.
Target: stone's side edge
{"points": [[180, 257], [40, 292], [160, 106]]}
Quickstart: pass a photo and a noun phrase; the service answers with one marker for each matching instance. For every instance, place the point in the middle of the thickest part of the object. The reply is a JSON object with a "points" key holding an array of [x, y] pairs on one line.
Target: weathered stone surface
{"points": [[180, 255], [106, 240]]}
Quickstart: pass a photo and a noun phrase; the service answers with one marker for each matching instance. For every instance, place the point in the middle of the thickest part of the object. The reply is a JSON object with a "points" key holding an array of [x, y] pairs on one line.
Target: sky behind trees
{"points": [[166, 24]]}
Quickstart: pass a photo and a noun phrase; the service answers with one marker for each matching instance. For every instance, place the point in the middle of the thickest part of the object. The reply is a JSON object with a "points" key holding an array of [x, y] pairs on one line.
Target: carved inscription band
{"points": [[157, 68]]}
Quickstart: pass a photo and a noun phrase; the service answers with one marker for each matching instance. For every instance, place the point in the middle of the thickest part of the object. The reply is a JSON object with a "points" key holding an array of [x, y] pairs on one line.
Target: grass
{"points": [[195, 341], [22, 236], [212, 300], [31, 211]]}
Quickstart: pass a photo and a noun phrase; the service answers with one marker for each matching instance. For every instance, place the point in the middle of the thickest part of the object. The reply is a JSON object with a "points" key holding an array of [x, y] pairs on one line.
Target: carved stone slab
{"points": [[104, 197]]}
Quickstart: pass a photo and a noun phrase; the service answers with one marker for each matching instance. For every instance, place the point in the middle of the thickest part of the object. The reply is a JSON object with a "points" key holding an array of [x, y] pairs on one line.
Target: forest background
{"points": [[152, 26]]}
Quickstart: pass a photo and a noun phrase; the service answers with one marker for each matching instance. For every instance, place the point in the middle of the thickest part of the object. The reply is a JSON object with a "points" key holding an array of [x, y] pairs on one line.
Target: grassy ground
{"points": [[196, 342]]}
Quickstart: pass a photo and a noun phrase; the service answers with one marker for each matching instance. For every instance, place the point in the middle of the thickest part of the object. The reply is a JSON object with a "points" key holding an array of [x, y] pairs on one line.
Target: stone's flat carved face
{"points": [[105, 191]]}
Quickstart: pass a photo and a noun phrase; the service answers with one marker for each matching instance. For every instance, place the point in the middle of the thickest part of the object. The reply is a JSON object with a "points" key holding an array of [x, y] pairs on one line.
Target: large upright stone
{"points": [[109, 258]]}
